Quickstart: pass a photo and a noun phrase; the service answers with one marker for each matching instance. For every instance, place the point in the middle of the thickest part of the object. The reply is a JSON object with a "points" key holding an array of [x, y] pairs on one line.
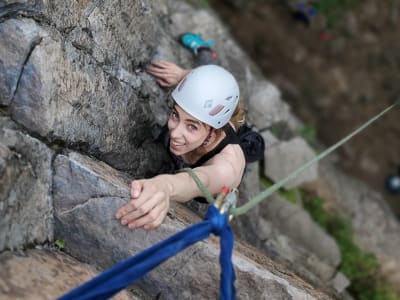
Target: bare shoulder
{"points": [[225, 168], [233, 155]]}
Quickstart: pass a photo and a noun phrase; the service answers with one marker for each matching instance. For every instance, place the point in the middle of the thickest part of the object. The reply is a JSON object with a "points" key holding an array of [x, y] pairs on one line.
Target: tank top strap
{"points": [[230, 138]]}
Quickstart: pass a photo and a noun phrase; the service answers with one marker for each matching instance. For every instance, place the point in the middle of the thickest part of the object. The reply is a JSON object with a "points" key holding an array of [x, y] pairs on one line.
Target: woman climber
{"points": [[202, 129]]}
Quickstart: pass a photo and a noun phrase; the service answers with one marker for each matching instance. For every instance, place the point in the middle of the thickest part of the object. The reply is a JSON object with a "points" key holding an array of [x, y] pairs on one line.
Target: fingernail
{"points": [[124, 222], [132, 225], [118, 216]]}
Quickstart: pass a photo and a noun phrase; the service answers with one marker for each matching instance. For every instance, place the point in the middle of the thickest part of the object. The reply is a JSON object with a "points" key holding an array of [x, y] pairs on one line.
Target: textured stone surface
{"points": [[15, 49], [26, 213], [58, 88], [296, 223], [266, 106], [43, 275], [285, 157], [368, 213], [247, 226]]}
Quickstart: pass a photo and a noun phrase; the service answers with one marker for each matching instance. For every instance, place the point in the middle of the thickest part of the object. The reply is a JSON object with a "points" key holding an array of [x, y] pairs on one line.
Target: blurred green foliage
{"points": [[333, 10], [361, 268], [309, 133], [292, 195], [60, 244]]}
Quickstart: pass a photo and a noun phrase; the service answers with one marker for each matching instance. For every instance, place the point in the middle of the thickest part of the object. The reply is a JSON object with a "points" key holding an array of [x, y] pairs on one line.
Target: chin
{"points": [[175, 151]]}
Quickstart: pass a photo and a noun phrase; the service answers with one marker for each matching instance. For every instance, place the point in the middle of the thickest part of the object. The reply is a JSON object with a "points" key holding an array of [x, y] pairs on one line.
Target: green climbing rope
{"points": [[210, 199]]}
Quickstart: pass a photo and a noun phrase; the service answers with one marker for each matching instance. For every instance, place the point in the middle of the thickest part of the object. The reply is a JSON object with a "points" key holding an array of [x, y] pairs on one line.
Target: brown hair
{"points": [[238, 117]]}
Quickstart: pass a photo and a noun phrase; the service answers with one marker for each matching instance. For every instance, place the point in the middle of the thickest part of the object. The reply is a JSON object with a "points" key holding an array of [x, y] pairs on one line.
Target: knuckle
{"points": [[133, 205], [141, 210], [161, 194], [152, 216], [153, 226]]}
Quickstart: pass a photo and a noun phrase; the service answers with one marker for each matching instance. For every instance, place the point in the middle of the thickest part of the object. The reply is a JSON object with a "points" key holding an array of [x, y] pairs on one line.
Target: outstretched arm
{"points": [[168, 74], [151, 197]]}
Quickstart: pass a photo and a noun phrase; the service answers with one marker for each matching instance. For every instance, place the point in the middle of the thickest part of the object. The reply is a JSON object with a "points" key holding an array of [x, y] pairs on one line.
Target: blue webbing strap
{"points": [[110, 282]]}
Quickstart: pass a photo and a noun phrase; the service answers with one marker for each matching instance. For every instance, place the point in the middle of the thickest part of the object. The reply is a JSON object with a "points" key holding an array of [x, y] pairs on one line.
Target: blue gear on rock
{"points": [[392, 184], [195, 41]]}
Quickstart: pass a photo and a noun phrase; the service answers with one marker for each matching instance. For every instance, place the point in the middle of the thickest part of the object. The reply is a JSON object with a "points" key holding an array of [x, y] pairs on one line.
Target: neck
{"points": [[196, 154]]}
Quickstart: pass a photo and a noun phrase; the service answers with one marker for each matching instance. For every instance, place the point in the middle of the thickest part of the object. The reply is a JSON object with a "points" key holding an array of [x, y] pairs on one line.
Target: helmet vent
{"points": [[225, 112], [229, 98], [216, 110]]}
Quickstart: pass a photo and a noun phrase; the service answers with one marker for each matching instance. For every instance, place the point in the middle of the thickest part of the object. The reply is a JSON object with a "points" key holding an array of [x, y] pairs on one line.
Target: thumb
{"points": [[136, 188]]}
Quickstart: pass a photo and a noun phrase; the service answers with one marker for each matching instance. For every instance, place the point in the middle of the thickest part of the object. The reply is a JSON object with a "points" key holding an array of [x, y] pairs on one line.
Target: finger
{"points": [[162, 63], [156, 223], [153, 218], [136, 188], [163, 83], [124, 210], [142, 207], [158, 66], [154, 71]]}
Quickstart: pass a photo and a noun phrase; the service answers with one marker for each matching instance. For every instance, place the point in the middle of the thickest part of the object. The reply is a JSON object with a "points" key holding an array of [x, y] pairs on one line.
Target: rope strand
{"points": [[210, 199]]}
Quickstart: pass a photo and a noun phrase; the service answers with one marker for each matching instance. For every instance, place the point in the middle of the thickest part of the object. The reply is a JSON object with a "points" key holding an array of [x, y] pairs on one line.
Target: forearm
{"points": [[182, 187]]}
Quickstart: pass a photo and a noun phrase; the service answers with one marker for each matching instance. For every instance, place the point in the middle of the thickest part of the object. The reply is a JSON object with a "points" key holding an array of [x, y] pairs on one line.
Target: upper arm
{"points": [[224, 169]]}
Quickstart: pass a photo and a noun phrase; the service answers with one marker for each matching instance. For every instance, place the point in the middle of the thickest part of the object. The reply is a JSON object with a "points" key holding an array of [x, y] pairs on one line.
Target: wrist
{"points": [[184, 73], [166, 184]]}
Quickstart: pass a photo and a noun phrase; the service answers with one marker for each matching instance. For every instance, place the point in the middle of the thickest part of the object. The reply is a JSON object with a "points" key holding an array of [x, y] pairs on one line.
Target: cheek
{"points": [[195, 140], [171, 123]]}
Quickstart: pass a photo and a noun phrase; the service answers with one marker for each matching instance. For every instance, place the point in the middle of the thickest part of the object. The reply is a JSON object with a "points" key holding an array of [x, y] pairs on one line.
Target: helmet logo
{"points": [[216, 110], [208, 104]]}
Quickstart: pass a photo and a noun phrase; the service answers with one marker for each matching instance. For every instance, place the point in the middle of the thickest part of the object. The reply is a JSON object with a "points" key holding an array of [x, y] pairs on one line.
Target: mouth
{"points": [[175, 146]]}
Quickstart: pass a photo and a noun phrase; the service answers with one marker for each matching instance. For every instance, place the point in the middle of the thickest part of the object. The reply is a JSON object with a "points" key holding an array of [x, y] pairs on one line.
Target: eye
{"points": [[174, 115], [192, 127]]}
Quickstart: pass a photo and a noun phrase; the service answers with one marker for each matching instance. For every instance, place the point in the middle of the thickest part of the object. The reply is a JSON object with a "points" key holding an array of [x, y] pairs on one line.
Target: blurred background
{"points": [[336, 63]]}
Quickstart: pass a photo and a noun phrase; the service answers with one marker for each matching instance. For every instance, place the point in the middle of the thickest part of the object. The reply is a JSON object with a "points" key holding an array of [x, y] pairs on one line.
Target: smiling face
{"points": [[186, 132]]}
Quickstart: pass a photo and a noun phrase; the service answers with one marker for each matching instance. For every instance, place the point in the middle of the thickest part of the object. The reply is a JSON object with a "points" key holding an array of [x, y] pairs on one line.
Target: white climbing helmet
{"points": [[209, 93]]}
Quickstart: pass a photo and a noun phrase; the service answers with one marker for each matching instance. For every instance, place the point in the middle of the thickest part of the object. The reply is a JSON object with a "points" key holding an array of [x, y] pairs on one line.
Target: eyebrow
{"points": [[197, 122]]}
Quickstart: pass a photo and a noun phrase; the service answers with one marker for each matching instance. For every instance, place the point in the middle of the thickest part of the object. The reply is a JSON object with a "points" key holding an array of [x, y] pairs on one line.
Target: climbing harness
{"points": [[216, 221]]}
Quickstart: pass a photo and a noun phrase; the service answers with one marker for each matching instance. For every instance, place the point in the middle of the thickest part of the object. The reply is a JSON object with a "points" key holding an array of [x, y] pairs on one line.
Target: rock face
{"points": [[43, 275], [368, 213], [78, 118], [85, 221], [79, 88], [26, 213], [285, 157]]}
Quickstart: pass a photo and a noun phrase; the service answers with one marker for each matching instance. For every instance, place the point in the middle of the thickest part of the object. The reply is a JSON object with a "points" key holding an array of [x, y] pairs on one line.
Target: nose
{"points": [[176, 131]]}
